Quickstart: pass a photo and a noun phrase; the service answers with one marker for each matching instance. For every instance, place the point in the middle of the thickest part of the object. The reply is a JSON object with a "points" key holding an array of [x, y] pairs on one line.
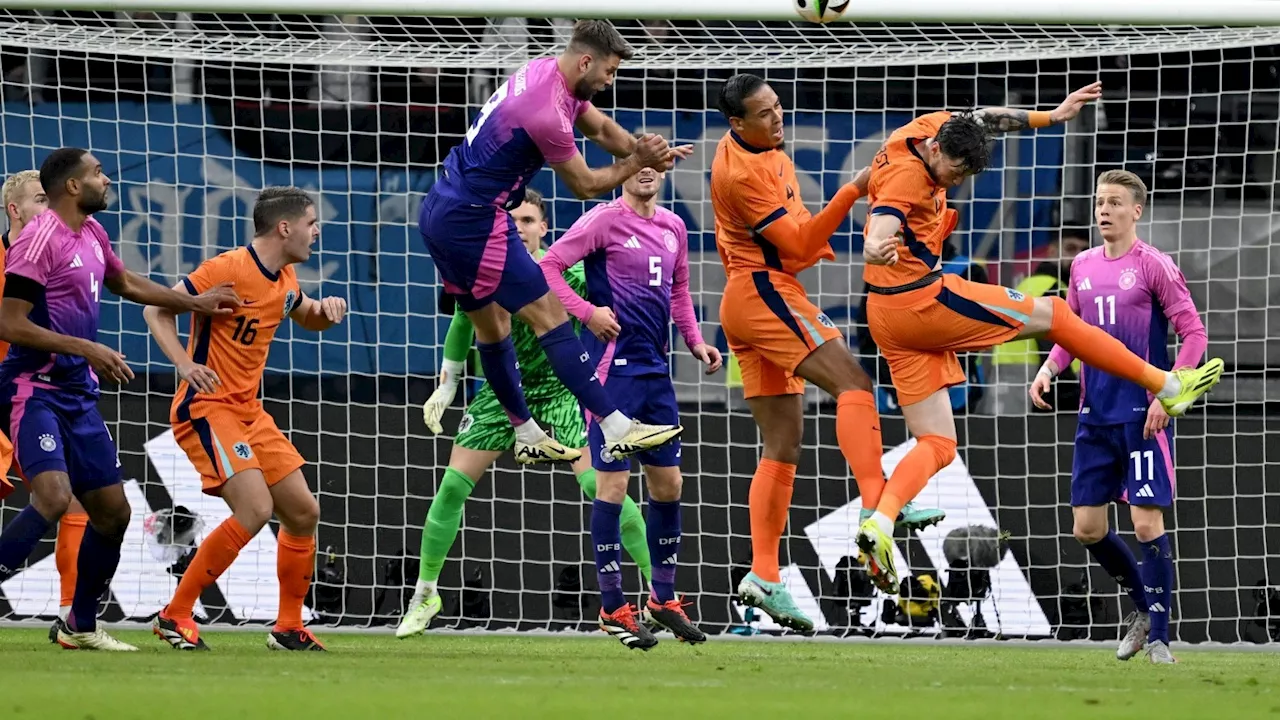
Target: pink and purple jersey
{"points": [[72, 267], [1133, 298], [638, 267], [526, 123]]}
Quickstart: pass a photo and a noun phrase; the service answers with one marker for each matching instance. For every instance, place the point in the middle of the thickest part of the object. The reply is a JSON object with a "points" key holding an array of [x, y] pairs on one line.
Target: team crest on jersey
{"points": [[289, 297], [466, 423], [1014, 295], [242, 450], [669, 239], [97, 252], [825, 321], [1128, 278]]}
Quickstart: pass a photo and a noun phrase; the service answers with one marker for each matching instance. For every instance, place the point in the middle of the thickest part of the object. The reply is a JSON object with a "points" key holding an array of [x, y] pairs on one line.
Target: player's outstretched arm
{"points": [[606, 132], [1003, 120], [587, 182], [163, 323], [218, 300], [319, 315], [755, 197]]}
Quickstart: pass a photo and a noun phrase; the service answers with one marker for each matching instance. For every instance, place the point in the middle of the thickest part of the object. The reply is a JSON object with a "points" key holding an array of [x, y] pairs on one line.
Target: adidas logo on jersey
{"points": [[1156, 608], [76, 262], [632, 242], [1084, 285], [612, 567], [1144, 492]]}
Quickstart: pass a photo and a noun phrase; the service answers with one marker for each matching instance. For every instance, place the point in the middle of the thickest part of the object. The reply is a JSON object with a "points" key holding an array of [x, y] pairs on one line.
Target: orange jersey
{"points": [[902, 186], [751, 188], [235, 346]]}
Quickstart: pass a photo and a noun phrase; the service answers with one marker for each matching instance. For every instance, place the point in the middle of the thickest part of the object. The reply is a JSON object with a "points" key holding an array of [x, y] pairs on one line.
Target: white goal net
{"points": [[193, 113]]}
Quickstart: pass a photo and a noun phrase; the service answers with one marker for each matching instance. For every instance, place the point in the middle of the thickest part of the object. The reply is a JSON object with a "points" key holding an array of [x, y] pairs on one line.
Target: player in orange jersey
{"points": [[219, 421], [24, 199], [765, 237], [921, 318]]}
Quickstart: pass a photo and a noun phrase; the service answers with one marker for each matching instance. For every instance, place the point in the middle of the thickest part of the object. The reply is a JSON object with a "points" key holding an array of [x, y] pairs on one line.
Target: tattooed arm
{"points": [[1002, 119]]}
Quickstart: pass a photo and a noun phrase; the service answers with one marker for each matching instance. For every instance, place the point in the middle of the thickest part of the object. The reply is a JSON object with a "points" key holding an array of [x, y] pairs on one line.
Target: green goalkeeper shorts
{"points": [[487, 427]]}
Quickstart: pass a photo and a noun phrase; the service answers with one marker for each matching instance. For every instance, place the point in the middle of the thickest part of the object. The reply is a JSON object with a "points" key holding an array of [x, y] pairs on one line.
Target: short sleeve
{"points": [[211, 272], [114, 265], [895, 189], [754, 195], [551, 129], [31, 255]]}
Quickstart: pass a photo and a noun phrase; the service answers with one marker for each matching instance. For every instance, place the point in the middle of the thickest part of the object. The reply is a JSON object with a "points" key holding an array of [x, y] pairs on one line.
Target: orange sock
{"points": [[215, 555], [295, 565], [858, 432], [931, 454], [1096, 348], [66, 551], [769, 501]]}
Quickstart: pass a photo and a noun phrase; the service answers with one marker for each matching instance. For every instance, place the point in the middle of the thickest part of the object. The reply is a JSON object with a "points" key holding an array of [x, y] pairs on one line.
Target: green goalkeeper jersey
{"points": [[535, 371]]}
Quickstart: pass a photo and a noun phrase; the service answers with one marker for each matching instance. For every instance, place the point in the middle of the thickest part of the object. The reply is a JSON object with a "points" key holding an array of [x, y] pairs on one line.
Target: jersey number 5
{"points": [[498, 96], [655, 270], [246, 330]]}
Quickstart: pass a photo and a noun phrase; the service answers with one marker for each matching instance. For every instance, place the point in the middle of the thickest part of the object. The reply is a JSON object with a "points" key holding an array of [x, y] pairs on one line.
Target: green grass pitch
{"points": [[450, 676]]}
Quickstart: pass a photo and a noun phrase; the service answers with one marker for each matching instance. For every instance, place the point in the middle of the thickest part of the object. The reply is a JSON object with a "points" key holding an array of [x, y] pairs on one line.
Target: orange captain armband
{"points": [[1039, 119]]}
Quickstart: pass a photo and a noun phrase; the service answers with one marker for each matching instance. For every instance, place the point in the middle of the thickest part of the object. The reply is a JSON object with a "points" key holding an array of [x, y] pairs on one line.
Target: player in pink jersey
{"points": [[55, 272], [1123, 450], [636, 256]]}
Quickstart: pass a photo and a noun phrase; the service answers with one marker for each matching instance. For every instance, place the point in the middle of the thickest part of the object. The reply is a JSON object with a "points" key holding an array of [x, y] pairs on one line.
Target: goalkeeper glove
{"points": [[440, 400]]}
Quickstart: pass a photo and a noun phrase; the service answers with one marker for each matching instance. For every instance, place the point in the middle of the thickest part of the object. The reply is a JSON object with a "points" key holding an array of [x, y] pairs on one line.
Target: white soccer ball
{"points": [[821, 11]]}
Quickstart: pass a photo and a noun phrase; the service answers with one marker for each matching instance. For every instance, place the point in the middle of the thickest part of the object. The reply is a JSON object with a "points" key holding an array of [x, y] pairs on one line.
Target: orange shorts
{"points": [[772, 327], [222, 443], [920, 332]]}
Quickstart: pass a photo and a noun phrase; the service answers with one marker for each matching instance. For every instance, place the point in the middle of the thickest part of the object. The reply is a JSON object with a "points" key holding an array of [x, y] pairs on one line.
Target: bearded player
{"points": [[485, 433], [464, 220], [766, 237], [56, 270], [637, 267], [219, 422], [24, 199], [1123, 447], [920, 318]]}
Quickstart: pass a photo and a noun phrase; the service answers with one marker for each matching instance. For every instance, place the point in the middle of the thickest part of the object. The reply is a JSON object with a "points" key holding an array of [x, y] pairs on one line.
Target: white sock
{"points": [[1171, 386], [63, 612], [884, 521], [615, 426], [530, 432], [422, 590]]}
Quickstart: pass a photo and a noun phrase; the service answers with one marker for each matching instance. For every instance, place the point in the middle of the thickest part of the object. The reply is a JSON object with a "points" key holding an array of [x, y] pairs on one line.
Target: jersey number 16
{"points": [[246, 330]]}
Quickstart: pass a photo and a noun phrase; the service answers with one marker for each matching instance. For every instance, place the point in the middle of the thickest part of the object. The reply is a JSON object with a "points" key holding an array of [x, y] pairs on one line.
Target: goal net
{"points": [[192, 114]]}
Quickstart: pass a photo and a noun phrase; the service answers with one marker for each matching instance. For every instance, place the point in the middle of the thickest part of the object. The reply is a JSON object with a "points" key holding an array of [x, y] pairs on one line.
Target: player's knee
{"points": [[666, 489], [1088, 533], [254, 514], [544, 314], [943, 449], [112, 520], [302, 517], [51, 500], [1043, 311], [1148, 526]]}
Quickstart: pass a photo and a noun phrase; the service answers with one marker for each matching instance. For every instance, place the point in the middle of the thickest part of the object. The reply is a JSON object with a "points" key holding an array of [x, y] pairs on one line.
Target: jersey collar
{"points": [[745, 145], [262, 268], [911, 145]]}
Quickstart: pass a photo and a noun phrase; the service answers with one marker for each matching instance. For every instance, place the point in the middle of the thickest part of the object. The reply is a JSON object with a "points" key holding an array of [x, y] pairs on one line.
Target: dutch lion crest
{"points": [[289, 297]]}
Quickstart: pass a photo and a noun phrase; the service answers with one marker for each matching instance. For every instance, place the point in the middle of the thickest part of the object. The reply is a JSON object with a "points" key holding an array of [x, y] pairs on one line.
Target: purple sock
{"points": [[502, 372], [99, 556], [572, 364], [663, 531], [1158, 579], [606, 538], [1115, 557], [19, 538]]}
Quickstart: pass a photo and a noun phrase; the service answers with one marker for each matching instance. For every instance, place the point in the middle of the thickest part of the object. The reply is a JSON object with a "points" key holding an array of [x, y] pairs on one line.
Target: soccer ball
{"points": [[821, 11]]}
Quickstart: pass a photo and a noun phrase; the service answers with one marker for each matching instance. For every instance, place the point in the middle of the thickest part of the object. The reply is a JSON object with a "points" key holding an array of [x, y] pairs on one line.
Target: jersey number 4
{"points": [[498, 96], [246, 330]]}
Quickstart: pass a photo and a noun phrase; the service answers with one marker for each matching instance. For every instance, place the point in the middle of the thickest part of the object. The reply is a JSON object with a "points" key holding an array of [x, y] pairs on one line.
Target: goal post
{"points": [[193, 107]]}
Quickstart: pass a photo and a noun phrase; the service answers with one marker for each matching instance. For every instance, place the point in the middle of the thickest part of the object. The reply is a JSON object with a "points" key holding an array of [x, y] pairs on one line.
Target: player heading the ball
{"points": [[920, 318], [219, 422], [1124, 444], [55, 272], [637, 267], [527, 123], [485, 433]]}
